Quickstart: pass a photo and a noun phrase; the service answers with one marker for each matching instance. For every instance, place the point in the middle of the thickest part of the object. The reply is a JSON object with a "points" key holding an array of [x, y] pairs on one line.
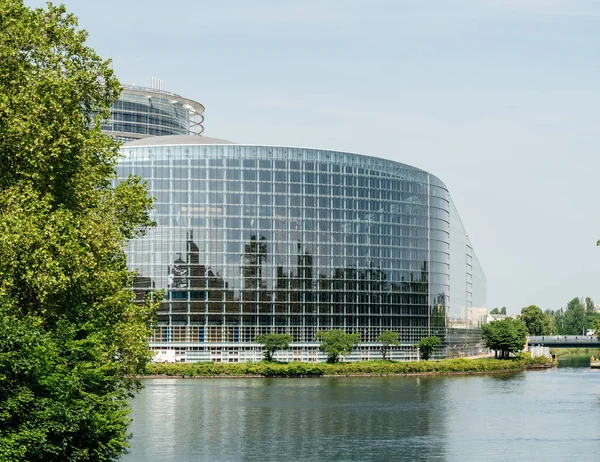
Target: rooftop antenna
{"points": [[158, 84]]}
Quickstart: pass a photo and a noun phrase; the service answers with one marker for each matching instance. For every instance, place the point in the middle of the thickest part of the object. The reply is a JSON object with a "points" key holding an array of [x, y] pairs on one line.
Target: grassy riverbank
{"points": [[558, 352], [374, 368]]}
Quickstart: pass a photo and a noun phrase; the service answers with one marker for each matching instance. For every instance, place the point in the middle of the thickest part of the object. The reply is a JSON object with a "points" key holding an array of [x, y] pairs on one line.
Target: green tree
{"points": [[575, 318], [273, 342], [505, 336], [557, 321], [387, 339], [551, 322], [427, 346], [71, 335], [590, 314], [589, 306], [536, 321], [596, 327], [499, 310], [336, 343]]}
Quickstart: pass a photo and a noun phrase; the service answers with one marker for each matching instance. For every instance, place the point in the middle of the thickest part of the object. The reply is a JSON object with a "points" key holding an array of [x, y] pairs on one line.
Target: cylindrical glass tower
{"points": [[141, 112]]}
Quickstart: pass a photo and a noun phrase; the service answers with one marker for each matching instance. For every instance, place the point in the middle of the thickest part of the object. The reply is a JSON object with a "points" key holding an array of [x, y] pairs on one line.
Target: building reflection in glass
{"points": [[257, 239]]}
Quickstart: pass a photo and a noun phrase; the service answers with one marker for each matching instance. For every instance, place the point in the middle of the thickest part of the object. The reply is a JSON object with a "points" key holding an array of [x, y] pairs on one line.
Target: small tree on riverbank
{"points": [[336, 343], [427, 345], [387, 339], [273, 342], [505, 336]]}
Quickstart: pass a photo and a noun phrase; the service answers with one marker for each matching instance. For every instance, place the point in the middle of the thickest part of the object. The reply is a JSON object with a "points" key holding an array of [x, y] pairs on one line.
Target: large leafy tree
{"points": [[273, 342], [536, 321], [71, 335], [336, 343], [505, 336]]}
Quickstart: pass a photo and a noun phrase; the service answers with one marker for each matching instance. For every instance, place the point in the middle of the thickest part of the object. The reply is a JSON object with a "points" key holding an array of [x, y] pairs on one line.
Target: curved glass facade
{"points": [[260, 239], [140, 112]]}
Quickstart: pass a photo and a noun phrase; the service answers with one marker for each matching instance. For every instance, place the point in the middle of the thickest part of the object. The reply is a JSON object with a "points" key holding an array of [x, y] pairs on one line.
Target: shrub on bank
{"points": [[300, 369]]}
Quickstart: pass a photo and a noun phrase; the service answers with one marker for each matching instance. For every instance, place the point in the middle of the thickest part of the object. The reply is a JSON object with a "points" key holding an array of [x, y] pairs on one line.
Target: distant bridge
{"points": [[564, 341]]}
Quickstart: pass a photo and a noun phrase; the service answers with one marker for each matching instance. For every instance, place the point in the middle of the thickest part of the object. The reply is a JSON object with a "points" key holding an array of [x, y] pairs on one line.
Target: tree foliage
{"points": [[499, 310], [273, 342], [576, 319], [388, 339], [427, 346], [536, 321], [552, 323], [505, 336], [336, 343], [70, 333], [596, 328], [589, 306]]}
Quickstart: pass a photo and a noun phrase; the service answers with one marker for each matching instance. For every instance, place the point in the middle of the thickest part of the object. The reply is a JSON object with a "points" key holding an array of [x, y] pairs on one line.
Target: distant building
{"points": [[498, 317], [476, 316]]}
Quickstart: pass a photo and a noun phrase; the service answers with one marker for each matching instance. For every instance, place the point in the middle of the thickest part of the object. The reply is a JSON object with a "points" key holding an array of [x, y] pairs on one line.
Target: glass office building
{"points": [[259, 239], [140, 112]]}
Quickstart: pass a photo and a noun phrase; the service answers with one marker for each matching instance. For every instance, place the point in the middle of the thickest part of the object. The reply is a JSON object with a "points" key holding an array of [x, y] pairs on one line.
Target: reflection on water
{"points": [[574, 360], [497, 417]]}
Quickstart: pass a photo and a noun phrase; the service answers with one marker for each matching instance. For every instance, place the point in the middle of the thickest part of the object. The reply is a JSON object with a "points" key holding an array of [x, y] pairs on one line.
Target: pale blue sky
{"points": [[499, 99]]}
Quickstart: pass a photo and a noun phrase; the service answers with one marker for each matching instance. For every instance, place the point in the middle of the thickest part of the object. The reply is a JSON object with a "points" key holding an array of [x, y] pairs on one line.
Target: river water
{"points": [[534, 415]]}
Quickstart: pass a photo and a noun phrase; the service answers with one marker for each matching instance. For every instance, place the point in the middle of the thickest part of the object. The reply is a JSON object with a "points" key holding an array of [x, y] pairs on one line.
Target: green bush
{"points": [[299, 369]]}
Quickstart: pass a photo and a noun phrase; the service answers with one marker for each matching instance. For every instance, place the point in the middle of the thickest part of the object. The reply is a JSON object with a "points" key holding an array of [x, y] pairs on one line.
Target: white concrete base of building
{"points": [[303, 352]]}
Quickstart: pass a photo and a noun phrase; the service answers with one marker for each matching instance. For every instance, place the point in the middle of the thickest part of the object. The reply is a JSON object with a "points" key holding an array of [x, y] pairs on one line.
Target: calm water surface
{"points": [[536, 415]]}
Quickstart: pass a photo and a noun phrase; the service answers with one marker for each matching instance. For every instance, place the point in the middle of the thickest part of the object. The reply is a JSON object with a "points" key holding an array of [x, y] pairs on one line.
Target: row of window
{"points": [[410, 303], [299, 219], [227, 174], [360, 257], [309, 196], [230, 157], [144, 129], [299, 321], [179, 178], [201, 202], [150, 106], [172, 121], [304, 266], [245, 333], [282, 306]]}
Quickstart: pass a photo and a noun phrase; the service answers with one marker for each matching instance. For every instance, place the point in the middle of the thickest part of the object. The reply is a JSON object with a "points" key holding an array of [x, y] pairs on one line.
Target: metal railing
{"points": [[582, 341]]}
